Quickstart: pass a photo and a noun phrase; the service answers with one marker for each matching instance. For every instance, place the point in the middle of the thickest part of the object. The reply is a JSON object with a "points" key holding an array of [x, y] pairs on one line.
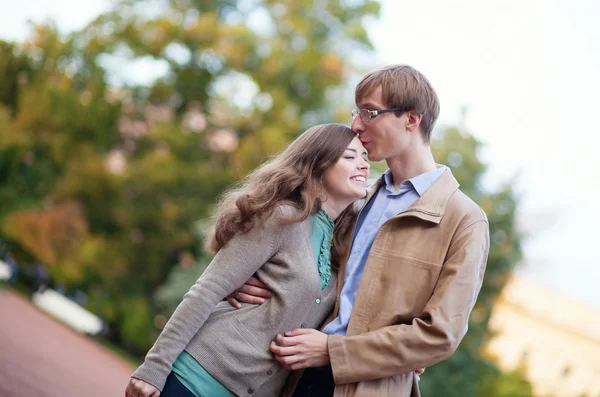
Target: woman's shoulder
{"points": [[288, 209], [281, 214]]}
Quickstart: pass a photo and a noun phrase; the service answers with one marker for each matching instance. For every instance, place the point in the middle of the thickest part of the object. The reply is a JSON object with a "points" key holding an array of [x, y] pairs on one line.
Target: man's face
{"points": [[384, 136]]}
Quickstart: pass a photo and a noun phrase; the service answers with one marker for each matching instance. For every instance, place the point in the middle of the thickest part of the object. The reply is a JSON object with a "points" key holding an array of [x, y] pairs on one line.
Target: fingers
{"points": [[247, 298], [234, 302], [130, 391], [139, 388], [300, 331], [287, 340], [254, 290], [283, 350], [420, 371], [127, 392], [289, 360], [292, 362], [237, 296], [257, 283]]}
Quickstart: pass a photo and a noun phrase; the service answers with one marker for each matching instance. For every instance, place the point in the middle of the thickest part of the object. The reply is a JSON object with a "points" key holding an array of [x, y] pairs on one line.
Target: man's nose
{"points": [[357, 125]]}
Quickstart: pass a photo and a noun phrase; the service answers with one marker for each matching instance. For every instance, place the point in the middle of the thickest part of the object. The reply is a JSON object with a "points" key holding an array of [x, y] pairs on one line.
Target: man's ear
{"points": [[413, 120]]}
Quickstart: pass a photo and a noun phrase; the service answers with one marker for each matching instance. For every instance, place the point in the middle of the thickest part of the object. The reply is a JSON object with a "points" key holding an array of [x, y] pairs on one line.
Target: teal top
{"points": [[194, 377], [321, 231]]}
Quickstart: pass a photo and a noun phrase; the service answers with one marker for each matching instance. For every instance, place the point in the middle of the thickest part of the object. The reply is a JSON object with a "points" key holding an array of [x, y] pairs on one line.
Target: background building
{"points": [[556, 340]]}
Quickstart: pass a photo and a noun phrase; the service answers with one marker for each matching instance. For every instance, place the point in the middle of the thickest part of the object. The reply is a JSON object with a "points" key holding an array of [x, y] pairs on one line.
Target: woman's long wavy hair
{"points": [[293, 176]]}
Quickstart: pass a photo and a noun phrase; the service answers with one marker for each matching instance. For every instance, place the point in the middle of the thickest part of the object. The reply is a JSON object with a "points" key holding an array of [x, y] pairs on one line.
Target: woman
{"points": [[288, 223]]}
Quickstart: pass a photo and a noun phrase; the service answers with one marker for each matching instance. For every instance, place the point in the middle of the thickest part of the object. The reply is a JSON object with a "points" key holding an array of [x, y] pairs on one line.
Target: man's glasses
{"points": [[366, 114]]}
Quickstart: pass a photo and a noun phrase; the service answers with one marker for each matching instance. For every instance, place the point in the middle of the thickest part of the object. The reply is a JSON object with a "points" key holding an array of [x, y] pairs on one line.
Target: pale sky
{"points": [[529, 73]]}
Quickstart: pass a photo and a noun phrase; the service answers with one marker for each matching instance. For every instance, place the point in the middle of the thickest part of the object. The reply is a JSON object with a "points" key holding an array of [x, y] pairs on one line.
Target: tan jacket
{"points": [[419, 285]]}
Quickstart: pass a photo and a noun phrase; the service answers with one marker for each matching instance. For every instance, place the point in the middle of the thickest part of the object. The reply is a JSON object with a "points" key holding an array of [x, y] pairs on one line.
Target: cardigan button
{"points": [[318, 300], [269, 372], [250, 390], [303, 325]]}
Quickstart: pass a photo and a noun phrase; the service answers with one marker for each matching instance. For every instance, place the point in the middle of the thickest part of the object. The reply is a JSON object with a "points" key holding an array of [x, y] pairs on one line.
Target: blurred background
{"points": [[122, 121]]}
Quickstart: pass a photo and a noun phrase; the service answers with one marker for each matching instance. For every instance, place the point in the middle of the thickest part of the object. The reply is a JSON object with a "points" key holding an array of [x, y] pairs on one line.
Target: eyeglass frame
{"points": [[372, 113]]}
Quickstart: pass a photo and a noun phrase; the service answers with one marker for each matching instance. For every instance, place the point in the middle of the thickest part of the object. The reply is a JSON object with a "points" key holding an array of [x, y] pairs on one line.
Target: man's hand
{"points": [[301, 348], [253, 291], [139, 388], [304, 348]]}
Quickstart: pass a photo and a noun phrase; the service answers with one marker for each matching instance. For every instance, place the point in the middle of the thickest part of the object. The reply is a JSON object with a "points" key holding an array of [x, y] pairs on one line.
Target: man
{"points": [[416, 264]]}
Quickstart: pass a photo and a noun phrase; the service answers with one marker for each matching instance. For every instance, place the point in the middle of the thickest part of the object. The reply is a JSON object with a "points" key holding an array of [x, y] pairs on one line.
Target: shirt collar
{"points": [[419, 183], [323, 219]]}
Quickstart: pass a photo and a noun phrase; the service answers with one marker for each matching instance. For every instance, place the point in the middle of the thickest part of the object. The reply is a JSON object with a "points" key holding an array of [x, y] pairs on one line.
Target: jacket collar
{"points": [[432, 204]]}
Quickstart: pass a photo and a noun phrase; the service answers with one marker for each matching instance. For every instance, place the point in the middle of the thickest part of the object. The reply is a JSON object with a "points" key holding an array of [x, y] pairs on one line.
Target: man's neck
{"points": [[410, 164]]}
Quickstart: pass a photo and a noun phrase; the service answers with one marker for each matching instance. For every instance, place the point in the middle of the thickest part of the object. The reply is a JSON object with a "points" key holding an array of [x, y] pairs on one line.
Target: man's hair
{"points": [[406, 88]]}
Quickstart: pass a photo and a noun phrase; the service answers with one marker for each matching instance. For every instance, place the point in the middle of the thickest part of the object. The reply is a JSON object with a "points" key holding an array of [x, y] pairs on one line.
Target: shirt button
{"points": [[250, 391], [269, 372], [303, 325], [318, 300]]}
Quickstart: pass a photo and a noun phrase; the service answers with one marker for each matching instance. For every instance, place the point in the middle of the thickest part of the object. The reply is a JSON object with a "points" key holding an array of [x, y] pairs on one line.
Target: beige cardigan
{"points": [[233, 344]]}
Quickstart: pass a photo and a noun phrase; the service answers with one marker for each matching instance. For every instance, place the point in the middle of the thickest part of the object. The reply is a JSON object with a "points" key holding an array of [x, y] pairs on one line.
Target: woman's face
{"points": [[346, 180]]}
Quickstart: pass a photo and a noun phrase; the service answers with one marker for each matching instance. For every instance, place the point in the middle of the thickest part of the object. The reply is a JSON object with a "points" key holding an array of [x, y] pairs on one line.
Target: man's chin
{"points": [[375, 158]]}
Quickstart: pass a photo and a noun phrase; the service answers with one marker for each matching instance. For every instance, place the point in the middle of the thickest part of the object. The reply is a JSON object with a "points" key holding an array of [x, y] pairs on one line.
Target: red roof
{"points": [[41, 357]]}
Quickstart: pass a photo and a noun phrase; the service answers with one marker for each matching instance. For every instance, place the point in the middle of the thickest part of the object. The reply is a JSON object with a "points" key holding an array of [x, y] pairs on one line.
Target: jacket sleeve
{"points": [[430, 338], [235, 263]]}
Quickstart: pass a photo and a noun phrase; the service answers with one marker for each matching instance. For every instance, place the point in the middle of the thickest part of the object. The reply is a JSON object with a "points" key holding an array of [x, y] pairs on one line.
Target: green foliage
{"points": [[104, 183], [513, 384], [170, 294]]}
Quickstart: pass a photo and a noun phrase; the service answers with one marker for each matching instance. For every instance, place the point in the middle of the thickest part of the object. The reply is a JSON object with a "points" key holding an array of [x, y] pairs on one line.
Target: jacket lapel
{"points": [[432, 204]]}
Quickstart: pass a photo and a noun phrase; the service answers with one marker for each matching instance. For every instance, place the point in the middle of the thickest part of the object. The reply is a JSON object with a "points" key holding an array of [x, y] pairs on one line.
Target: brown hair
{"points": [[293, 176], [406, 88]]}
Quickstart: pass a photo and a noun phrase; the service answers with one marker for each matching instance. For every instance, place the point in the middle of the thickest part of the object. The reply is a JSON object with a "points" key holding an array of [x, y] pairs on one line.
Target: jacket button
{"points": [[303, 325], [318, 300], [269, 372], [250, 391]]}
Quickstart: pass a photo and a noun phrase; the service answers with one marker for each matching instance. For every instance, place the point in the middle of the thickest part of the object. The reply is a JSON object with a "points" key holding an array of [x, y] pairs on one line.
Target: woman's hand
{"points": [[139, 388]]}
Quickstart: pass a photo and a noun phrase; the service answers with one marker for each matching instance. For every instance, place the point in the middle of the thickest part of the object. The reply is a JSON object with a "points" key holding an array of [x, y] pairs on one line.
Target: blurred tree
{"points": [[103, 182], [493, 383], [247, 75], [170, 293]]}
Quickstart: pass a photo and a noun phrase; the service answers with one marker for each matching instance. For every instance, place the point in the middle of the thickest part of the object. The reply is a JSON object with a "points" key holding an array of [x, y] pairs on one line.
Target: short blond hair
{"points": [[406, 88]]}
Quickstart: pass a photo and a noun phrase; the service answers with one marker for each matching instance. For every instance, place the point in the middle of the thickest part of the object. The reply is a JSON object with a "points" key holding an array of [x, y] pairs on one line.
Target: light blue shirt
{"points": [[388, 203]]}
